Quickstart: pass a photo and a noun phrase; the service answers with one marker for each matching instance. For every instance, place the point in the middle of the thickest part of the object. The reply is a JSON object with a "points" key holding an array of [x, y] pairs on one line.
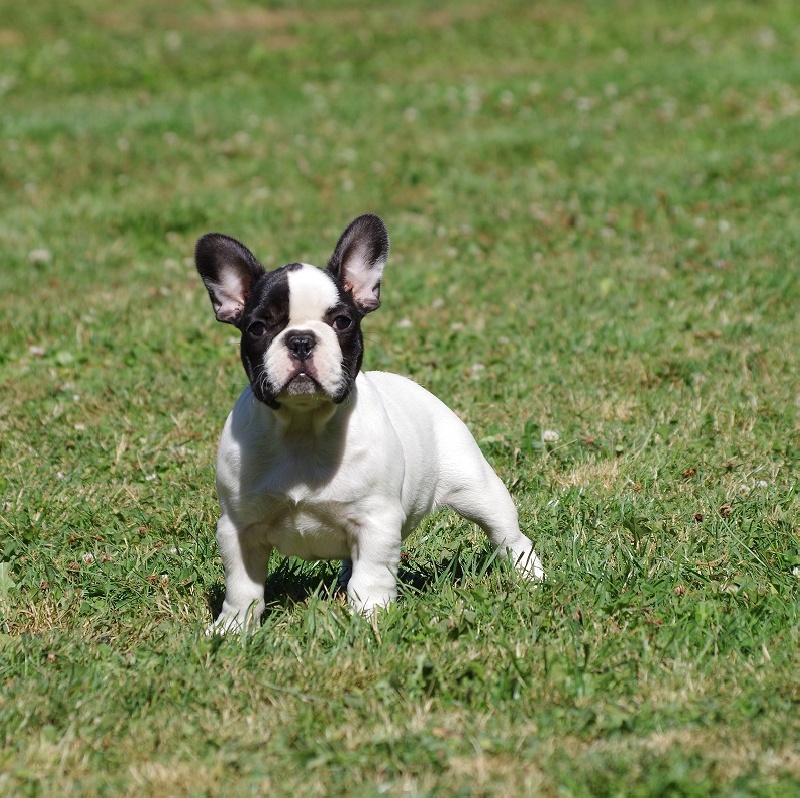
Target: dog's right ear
{"points": [[229, 271]]}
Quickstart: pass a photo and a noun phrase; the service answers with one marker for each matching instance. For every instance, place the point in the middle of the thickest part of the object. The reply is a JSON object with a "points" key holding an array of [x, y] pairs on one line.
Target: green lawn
{"points": [[595, 221]]}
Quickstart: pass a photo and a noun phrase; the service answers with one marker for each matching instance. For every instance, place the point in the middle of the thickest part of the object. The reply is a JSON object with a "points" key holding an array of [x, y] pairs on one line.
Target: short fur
{"points": [[318, 459]]}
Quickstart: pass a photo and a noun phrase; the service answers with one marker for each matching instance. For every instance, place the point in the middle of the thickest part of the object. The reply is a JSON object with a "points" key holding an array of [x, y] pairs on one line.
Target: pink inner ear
{"points": [[228, 313]]}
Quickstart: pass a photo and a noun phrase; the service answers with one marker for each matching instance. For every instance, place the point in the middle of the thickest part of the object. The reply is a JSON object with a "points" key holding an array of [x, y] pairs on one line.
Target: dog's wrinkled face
{"points": [[301, 326], [301, 336]]}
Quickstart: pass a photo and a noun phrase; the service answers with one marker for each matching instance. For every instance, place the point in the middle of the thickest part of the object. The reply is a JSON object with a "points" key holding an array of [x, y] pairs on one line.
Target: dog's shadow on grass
{"points": [[295, 581]]}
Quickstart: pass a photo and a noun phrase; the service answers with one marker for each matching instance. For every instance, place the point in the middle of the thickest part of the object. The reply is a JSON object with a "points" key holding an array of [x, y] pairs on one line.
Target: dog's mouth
{"points": [[302, 384]]}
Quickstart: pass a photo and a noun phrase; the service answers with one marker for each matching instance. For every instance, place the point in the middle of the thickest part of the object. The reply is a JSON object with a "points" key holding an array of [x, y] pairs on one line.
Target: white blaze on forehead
{"points": [[312, 294]]}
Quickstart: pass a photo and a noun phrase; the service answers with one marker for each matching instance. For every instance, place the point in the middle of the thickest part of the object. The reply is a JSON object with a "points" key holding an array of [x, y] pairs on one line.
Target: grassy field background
{"points": [[595, 221]]}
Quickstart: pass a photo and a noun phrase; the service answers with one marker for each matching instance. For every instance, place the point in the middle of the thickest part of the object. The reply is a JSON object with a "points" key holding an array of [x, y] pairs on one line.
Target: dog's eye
{"points": [[257, 329], [341, 323]]}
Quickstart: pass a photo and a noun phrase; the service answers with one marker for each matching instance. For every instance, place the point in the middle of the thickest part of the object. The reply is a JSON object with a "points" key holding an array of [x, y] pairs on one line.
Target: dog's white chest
{"points": [[310, 530]]}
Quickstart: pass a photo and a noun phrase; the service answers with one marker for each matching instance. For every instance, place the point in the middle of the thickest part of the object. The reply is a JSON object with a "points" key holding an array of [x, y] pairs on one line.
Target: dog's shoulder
{"points": [[398, 390]]}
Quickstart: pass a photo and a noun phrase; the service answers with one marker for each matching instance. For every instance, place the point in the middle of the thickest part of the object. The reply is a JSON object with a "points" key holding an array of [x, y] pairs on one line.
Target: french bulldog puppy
{"points": [[318, 459]]}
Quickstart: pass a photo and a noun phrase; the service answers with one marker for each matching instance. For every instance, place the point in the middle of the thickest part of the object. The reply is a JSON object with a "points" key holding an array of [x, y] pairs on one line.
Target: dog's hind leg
{"points": [[480, 496], [345, 572]]}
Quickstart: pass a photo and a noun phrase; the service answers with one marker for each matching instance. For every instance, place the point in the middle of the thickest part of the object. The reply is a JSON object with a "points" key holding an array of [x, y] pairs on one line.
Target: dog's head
{"points": [[300, 325]]}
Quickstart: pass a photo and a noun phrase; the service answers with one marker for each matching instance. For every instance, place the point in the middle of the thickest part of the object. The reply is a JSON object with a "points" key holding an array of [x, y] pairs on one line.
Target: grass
{"points": [[594, 218]]}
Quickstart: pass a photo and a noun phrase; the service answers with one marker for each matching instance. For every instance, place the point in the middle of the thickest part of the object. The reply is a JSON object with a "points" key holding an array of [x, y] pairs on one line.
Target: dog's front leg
{"points": [[245, 554], [375, 555]]}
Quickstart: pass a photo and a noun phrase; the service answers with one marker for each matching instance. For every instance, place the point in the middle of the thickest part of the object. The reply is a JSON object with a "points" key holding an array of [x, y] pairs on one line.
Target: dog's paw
{"points": [[235, 624], [223, 625], [369, 604], [528, 565]]}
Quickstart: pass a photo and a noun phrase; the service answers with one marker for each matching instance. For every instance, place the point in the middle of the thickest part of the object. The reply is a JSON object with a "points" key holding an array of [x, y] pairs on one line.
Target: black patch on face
{"points": [[351, 339], [265, 316]]}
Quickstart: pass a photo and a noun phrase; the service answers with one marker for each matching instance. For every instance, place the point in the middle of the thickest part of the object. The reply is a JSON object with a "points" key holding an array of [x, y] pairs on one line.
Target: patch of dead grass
{"points": [[10, 38], [728, 758], [603, 474]]}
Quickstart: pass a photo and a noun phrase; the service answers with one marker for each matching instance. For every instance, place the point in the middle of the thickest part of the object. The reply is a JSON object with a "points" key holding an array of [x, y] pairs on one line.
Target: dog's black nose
{"points": [[300, 344]]}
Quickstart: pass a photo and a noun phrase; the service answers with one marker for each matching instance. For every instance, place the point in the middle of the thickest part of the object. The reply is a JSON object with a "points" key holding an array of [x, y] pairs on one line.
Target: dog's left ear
{"points": [[358, 260]]}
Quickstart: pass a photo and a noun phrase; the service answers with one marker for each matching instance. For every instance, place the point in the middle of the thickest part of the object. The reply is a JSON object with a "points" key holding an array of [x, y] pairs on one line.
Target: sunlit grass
{"points": [[594, 222]]}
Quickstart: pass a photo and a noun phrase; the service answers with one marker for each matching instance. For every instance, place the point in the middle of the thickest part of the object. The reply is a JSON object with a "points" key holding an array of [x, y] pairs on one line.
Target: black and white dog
{"points": [[318, 459]]}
